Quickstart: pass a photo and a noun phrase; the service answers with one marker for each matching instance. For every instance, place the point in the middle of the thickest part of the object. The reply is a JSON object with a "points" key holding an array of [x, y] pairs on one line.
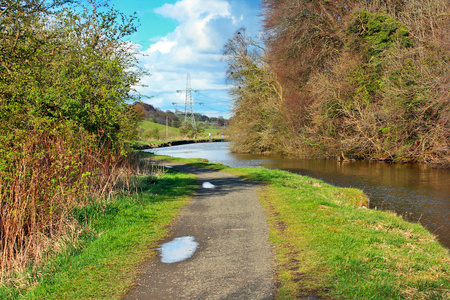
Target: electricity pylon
{"points": [[189, 102]]}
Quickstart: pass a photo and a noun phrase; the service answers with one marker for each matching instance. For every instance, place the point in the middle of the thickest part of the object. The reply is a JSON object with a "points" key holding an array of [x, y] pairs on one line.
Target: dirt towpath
{"points": [[234, 259]]}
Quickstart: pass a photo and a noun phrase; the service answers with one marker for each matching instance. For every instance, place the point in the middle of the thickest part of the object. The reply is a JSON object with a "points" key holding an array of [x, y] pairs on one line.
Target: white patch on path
{"points": [[208, 185]]}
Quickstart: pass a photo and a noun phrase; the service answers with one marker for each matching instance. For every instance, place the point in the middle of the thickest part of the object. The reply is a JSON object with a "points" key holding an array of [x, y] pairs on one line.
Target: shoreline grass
{"points": [[327, 244]]}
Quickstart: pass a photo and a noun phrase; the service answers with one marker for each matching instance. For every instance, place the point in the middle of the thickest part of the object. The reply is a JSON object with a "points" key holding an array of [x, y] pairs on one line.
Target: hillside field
{"points": [[150, 131]]}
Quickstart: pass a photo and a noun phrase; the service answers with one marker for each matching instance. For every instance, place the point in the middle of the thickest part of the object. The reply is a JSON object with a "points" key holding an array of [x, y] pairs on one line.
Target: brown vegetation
{"points": [[52, 172], [257, 93], [368, 79]]}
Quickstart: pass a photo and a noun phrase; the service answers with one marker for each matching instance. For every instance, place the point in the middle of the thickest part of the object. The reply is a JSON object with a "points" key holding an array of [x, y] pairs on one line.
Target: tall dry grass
{"points": [[44, 174]]}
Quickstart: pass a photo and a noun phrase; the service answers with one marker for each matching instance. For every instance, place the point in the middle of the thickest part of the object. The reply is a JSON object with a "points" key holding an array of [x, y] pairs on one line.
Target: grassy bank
{"points": [[329, 244], [146, 127], [326, 242], [117, 236]]}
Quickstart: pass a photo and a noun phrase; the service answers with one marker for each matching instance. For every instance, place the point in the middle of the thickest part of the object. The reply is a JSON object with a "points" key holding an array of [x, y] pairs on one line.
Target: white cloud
{"points": [[196, 10], [194, 47], [163, 46]]}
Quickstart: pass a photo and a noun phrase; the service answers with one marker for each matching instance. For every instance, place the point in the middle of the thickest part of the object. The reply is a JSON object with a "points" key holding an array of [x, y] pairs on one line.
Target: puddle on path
{"points": [[208, 185], [179, 249]]}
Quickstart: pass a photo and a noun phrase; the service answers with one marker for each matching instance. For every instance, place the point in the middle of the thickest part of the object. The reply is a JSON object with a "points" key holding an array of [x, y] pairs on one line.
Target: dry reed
{"points": [[47, 173]]}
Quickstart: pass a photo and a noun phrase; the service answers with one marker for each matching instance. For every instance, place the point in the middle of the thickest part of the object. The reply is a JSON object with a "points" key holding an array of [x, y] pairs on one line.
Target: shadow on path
{"points": [[234, 259]]}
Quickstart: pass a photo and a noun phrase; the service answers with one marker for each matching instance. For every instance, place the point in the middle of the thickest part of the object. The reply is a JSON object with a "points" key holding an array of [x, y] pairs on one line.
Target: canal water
{"points": [[417, 192]]}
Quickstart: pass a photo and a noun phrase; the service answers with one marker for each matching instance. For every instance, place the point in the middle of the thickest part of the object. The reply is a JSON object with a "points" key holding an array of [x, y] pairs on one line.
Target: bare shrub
{"points": [[427, 20], [257, 97]]}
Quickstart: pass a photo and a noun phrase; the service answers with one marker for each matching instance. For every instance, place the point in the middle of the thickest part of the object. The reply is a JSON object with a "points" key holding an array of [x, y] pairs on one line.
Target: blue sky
{"points": [[177, 37]]}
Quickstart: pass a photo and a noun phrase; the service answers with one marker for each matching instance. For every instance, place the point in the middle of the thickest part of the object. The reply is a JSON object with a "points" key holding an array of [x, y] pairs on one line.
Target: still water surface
{"points": [[414, 191]]}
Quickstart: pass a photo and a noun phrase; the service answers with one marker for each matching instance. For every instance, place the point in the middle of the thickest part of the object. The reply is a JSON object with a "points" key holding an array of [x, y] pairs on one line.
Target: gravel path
{"points": [[234, 259]]}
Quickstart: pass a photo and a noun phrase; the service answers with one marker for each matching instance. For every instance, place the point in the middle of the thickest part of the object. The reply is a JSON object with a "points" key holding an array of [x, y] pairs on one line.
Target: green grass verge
{"points": [[118, 237], [327, 244]]}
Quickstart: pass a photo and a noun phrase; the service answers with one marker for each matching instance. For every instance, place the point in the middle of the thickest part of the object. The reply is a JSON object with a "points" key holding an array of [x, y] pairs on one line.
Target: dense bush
{"points": [[65, 76]]}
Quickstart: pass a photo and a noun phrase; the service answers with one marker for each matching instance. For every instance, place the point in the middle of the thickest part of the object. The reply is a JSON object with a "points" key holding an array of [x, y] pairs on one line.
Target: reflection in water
{"points": [[178, 250], [415, 191]]}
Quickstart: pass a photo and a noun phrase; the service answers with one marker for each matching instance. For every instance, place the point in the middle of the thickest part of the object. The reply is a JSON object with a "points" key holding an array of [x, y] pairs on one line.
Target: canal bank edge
{"points": [[161, 144], [329, 245], [418, 193]]}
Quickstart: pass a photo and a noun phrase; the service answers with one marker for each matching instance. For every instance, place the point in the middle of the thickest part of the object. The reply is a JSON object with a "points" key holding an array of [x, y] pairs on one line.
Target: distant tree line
{"points": [[364, 79], [175, 119]]}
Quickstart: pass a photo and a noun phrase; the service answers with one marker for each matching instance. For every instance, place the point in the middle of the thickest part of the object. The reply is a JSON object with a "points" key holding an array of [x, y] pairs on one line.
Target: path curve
{"points": [[234, 259]]}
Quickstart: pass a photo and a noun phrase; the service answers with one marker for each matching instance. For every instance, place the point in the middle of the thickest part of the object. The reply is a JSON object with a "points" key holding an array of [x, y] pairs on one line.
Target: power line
{"points": [[189, 101], [217, 110], [214, 99]]}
